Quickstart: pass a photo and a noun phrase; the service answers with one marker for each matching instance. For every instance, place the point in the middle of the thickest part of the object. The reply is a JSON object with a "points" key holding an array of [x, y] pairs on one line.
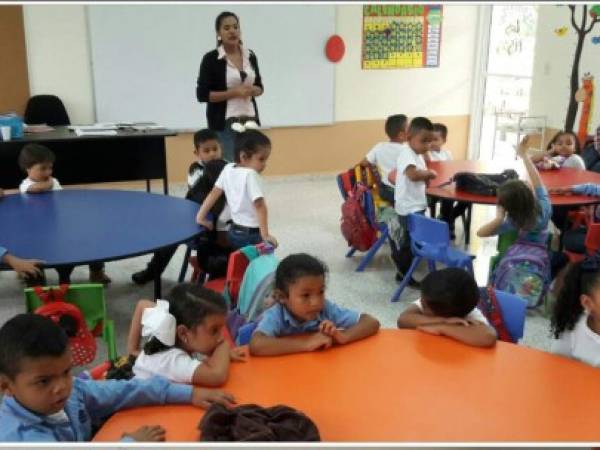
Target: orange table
{"points": [[403, 385]]}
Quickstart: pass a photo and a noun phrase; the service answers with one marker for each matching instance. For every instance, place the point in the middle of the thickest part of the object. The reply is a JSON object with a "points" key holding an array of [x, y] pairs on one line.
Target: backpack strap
{"points": [[491, 308]]}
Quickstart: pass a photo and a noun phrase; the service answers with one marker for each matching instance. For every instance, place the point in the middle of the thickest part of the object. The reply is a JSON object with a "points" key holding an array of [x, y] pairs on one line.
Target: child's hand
{"points": [[204, 397], [500, 212], [271, 240], [238, 354], [437, 329], [318, 341], [432, 174], [151, 433], [457, 321], [328, 328], [204, 222], [564, 190], [523, 146], [27, 267]]}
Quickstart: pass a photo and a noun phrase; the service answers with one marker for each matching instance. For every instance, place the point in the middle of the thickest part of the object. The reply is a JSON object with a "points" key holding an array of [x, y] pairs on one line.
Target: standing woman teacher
{"points": [[228, 82]]}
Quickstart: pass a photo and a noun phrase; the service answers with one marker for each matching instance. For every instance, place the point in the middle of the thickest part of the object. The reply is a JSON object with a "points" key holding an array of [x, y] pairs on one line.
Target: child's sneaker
{"points": [[98, 276]]}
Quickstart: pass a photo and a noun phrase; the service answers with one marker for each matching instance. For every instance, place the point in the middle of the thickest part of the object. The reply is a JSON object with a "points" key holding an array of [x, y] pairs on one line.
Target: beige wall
{"points": [[326, 149], [13, 60]]}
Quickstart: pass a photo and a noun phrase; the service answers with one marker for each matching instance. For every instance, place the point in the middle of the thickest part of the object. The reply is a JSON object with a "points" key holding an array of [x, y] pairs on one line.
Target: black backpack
{"points": [[481, 183]]}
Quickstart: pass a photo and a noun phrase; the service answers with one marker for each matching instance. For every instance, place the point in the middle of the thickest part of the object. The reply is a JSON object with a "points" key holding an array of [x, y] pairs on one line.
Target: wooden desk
{"points": [[128, 156], [403, 385]]}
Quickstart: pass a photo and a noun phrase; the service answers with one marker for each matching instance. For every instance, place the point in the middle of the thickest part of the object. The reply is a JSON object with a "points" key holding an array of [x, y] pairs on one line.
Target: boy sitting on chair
{"points": [[43, 402], [448, 307]]}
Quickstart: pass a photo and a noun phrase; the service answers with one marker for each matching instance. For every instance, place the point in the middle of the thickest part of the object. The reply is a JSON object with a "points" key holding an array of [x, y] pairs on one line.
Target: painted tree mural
{"points": [[582, 29]]}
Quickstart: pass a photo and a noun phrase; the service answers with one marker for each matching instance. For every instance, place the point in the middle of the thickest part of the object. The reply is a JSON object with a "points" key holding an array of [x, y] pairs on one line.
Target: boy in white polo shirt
{"points": [[385, 154], [412, 177]]}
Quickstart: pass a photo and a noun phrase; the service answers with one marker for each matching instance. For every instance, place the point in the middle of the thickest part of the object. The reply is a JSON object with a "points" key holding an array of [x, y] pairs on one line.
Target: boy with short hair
{"points": [[412, 177], [384, 154], [448, 307], [43, 402], [38, 162], [206, 148]]}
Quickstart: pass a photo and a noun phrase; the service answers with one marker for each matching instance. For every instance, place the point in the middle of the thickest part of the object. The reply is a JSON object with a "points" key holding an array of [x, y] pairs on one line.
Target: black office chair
{"points": [[48, 109]]}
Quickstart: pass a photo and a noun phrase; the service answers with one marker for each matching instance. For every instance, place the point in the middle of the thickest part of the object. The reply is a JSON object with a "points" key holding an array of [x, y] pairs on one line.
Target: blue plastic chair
{"points": [[513, 309], [430, 240]]}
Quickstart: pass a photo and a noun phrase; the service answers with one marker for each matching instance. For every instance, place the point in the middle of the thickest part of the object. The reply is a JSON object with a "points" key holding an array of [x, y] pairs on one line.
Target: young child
{"points": [[575, 321], [412, 177], [240, 182], [448, 307], [43, 402], [190, 322], [385, 154], [38, 161], [449, 211], [206, 148], [518, 208], [303, 309], [562, 151]]}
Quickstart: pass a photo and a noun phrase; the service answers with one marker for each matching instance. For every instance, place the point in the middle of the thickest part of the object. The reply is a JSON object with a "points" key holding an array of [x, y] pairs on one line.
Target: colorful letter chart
{"points": [[401, 36]]}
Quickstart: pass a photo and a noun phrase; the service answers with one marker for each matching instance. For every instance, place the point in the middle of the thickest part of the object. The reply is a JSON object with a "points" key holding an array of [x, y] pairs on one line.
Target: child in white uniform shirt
{"points": [[240, 182], [575, 321], [448, 307], [385, 154], [186, 343], [38, 161]]}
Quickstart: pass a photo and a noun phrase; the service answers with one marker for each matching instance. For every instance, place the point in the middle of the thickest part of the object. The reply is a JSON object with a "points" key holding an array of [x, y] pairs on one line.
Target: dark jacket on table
{"points": [[212, 77]]}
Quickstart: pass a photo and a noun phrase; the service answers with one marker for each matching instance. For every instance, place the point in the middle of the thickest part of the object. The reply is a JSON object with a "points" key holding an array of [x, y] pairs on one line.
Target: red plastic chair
{"points": [[592, 243]]}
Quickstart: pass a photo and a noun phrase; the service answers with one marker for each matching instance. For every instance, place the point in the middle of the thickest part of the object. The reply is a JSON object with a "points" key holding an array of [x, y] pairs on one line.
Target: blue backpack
{"points": [[524, 270]]}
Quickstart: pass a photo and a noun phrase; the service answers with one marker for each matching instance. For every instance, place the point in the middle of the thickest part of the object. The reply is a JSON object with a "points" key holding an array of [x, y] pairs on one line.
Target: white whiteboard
{"points": [[146, 58]]}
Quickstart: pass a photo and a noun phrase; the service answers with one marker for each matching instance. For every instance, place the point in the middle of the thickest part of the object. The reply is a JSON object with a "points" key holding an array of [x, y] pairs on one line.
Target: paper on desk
{"points": [[88, 132], [94, 127]]}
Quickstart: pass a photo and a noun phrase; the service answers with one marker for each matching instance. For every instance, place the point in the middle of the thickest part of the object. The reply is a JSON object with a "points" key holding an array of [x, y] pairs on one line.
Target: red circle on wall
{"points": [[335, 48]]}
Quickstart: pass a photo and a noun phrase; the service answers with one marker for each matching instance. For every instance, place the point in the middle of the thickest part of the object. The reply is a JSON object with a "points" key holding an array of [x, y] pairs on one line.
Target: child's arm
{"points": [[365, 327], [214, 370], [491, 228], [534, 176], [415, 174], [206, 206], [135, 329], [412, 317], [263, 345], [477, 334], [41, 186], [263, 222]]}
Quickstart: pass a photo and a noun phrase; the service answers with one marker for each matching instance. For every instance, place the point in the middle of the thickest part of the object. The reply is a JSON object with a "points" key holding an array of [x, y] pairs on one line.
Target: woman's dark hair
{"points": [[33, 154], [190, 304], [565, 133], [250, 142], [296, 266], [577, 281], [520, 204], [220, 18]]}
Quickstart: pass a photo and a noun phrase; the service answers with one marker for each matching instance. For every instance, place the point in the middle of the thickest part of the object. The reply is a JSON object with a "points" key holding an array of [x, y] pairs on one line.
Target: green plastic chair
{"points": [[89, 298]]}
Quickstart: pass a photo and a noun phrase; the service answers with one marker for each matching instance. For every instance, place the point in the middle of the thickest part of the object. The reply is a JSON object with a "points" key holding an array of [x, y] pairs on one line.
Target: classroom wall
{"points": [[362, 98], [553, 63]]}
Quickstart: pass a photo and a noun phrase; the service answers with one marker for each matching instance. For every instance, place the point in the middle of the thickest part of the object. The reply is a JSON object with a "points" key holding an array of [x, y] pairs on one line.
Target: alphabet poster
{"points": [[401, 36]]}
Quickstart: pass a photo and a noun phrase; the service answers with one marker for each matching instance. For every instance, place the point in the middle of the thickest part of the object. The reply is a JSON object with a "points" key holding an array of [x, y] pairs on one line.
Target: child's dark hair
{"points": [[419, 124], [565, 133], [29, 336], [204, 135], [442, 129], [33, 154], [395, 124], [296, 266], [581, 278], [224, 15], [190, 304], [450, 292], [520, 203], [250, 142]]}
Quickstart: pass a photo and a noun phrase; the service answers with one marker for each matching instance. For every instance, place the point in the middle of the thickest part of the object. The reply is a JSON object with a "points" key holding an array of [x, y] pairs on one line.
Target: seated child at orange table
{"points": [[303, 309], [448, 307], [186, 343], [43, 402]]}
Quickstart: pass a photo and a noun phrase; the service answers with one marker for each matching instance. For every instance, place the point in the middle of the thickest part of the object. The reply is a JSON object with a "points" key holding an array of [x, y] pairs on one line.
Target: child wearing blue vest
{"points": [[303, 309], [43, 402]]}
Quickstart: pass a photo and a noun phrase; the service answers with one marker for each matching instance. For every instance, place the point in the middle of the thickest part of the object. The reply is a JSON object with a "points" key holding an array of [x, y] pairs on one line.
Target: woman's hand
{"points": [[243, 90]]}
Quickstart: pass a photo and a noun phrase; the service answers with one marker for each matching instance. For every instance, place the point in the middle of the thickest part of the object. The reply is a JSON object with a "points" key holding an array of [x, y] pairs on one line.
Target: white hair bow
{"points": [[158, 322], [240, 128]]}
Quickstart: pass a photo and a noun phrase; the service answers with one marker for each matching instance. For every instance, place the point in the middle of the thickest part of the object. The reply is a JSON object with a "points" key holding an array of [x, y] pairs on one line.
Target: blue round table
{"points": [[83, 226]]}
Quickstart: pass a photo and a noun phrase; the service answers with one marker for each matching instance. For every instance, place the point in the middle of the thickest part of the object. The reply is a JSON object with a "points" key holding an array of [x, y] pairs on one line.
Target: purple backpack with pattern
{"points": [[524, 270]]}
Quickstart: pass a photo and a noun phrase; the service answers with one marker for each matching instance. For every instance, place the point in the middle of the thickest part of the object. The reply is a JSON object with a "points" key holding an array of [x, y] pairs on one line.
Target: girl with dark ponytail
{"points": [[575, 322]]}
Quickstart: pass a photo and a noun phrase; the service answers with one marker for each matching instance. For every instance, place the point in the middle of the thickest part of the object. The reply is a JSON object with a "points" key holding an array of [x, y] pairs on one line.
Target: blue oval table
{"points": [[84, 226]]}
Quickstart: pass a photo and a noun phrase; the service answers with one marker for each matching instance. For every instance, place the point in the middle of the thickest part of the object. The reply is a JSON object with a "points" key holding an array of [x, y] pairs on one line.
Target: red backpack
{"points": [[356, 227], [70, 318]]}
